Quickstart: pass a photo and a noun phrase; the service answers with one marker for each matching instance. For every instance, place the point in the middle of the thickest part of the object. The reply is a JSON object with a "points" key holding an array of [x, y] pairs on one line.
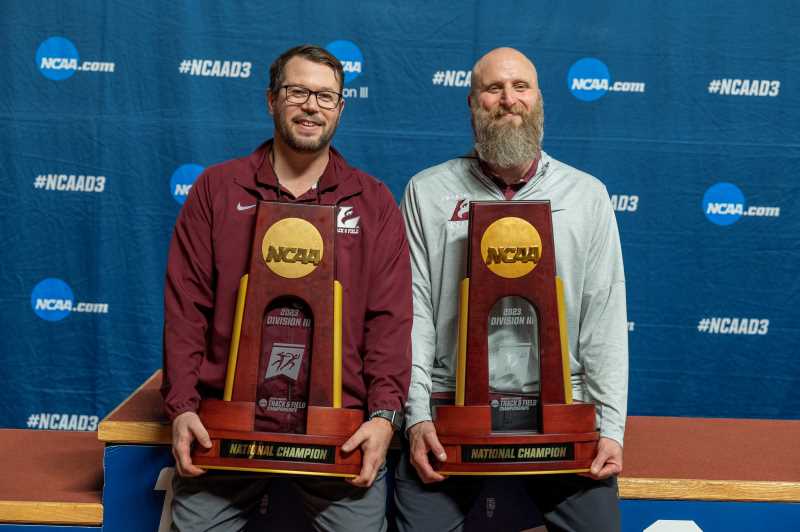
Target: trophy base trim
{"points": [[282, 471], [237, 446], [542, 455], [476, 420], [269, 452], [566, 444], [510, 473]]}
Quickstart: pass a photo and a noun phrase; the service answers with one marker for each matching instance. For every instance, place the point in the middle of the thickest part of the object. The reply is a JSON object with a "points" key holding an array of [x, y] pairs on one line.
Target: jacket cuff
{"points": [[417, 411], [174, 410], [384, 402], [613, 433]]}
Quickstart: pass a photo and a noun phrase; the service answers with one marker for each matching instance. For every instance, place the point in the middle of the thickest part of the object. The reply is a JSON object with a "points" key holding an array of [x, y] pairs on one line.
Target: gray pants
{"points": [[225, 501], [567, 502]]}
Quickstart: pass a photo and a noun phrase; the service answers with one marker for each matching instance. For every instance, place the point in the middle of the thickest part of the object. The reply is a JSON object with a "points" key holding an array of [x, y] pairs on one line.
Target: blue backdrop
{"points": [[688, 111]]}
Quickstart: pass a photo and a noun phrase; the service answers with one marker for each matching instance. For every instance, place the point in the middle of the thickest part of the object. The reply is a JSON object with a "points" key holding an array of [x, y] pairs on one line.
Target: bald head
{"points": [[501, 65], [507, 110]]}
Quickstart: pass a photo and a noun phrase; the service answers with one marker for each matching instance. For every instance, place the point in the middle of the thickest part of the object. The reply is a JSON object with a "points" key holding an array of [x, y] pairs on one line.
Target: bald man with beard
{"points": [[509, 164]]}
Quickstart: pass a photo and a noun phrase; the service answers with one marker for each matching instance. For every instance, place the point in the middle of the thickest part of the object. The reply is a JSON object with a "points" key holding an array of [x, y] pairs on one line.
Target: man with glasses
{"points": [[509, 164], [209, 253]]}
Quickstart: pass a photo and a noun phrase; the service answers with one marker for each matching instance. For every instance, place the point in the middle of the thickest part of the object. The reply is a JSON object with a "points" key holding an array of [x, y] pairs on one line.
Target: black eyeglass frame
{"points": [[309, 92]]}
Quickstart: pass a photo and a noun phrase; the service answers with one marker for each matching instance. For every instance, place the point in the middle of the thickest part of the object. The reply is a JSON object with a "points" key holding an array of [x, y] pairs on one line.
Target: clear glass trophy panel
{"points": [[513, 365]]}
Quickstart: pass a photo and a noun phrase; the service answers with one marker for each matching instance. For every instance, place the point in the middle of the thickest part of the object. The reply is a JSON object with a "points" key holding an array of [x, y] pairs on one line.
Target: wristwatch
{"points": [[394, 417]]}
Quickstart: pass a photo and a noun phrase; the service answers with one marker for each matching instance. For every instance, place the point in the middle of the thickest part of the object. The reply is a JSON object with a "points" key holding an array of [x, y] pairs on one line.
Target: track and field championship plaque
{"points": [[281, 410], [513, 333]]}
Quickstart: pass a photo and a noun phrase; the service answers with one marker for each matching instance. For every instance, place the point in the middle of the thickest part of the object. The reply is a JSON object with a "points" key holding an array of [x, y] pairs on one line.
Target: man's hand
{"points": [[186, 428], [373, 437], [608, 461], [422, 438]]}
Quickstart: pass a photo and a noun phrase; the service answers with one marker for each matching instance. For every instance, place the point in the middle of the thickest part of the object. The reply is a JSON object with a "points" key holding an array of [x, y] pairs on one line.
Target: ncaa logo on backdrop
{"points": [[725, 204], [349, 55], [53, 300], [57, 58], [589, 79], [182, 180]]}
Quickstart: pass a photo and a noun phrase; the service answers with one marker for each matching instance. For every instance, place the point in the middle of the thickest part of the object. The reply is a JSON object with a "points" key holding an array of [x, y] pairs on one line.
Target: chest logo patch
{"points": [[347, 222], [461, 212]]}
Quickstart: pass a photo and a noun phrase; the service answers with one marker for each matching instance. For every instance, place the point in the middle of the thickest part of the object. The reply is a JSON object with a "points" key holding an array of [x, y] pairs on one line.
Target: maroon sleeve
{"points": [[387, 326], [188, 301]]}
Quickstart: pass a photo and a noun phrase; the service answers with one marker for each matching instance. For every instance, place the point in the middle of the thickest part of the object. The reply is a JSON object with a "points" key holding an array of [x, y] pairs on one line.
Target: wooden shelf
{"points": [[56, 477], [138, 419], [711, 459], [665, 457]]}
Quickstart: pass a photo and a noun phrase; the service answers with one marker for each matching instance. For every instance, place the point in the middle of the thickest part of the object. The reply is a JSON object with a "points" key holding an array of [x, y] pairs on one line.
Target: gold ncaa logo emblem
{"points": [[511, 247], [292, 248]]}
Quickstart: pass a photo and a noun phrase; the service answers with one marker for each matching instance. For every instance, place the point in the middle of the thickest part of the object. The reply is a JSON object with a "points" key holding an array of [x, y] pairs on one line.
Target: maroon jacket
{"points": [[210, 251]]}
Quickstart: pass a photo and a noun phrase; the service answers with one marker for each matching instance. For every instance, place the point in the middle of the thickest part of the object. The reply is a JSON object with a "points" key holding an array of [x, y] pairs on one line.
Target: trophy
{"points": [[512, 322], [281, 410]]}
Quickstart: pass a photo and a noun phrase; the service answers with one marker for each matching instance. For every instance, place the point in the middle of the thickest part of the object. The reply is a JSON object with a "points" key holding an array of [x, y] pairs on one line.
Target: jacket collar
{"points": [[338, 180], [542, 172]]}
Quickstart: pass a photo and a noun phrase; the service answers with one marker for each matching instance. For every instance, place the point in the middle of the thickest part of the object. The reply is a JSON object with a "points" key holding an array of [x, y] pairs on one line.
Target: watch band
{"points": [[392, 416]]}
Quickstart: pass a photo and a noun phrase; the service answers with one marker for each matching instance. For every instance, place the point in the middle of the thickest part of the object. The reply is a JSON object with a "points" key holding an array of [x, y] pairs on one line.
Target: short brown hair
{"points": [[310, 52]]}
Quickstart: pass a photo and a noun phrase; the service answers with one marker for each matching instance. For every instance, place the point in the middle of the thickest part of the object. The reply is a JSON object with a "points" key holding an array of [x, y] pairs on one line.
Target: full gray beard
{"points": [[506, 144]]}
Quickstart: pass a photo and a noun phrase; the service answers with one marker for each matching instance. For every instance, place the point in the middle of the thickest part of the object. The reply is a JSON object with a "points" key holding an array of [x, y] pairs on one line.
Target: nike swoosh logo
{"points": [[240, 207]]}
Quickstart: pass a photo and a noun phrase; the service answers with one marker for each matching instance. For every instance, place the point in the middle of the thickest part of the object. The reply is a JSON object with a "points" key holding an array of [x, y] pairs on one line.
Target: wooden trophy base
{"points": [[236, 446], [569, 446]]}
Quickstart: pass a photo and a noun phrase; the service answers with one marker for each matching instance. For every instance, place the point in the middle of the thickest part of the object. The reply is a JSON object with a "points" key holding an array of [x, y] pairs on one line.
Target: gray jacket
{"points": [[588, 259]]}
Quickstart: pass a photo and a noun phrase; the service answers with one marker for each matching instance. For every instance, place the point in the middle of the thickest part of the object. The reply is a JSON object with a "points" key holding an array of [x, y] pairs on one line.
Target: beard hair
{"points": [[302, 144], [507, 144]]}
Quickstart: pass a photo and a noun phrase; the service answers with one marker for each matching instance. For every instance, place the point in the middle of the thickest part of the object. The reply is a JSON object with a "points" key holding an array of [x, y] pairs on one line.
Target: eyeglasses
{"points": [[299, 95]]}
